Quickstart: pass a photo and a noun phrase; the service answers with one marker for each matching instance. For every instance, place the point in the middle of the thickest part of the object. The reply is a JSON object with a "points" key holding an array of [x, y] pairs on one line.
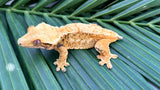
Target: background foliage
{"points": [[139, 52]]}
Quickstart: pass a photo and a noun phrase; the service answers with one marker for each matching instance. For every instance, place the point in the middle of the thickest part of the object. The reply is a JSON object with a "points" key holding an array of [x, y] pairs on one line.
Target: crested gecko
{"points": [[71, 36]]}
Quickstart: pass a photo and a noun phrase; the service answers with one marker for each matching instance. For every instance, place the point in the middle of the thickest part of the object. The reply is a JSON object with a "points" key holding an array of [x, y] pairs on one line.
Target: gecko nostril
{"points": [[19, 42]]}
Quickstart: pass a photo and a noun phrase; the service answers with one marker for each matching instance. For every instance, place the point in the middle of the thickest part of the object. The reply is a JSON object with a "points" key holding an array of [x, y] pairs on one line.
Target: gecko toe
{"points": [[60, 66], [114, 56], [101, 63], [67, 64], [58, 69], [55, 63], [109, 66], [99, 56], [63, 69]]}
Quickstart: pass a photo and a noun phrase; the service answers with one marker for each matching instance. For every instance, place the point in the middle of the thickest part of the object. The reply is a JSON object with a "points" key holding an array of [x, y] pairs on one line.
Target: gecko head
{"points": [[37, 36]]}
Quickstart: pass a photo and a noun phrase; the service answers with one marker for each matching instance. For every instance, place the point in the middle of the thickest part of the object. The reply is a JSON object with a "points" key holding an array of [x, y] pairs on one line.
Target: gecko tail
{"points": [[120, 37]]}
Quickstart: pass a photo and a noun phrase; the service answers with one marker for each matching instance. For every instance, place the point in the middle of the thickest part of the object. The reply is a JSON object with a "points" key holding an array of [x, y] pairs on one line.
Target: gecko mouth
{"points": [[46, 45]]}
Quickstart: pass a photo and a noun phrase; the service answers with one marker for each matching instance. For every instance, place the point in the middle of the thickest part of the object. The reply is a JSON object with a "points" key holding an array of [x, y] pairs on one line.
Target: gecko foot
{"points": [[106, 60], [60, 65]]}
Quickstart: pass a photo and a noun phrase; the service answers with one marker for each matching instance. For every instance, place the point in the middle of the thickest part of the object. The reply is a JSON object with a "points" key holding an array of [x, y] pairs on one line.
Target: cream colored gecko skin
{"points": [[71, 36]]}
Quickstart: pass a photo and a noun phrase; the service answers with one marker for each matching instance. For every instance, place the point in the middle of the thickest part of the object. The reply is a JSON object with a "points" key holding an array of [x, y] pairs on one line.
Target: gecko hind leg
{"points": [[102, 46], [61, 62]]}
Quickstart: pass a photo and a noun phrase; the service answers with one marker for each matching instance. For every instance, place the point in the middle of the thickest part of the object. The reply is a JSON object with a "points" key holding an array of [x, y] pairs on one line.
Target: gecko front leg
{"points": [[61, 61], [102, 46]]}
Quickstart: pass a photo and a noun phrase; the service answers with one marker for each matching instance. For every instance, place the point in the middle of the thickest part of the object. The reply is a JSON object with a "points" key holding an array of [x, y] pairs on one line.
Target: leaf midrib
{"points": [[77, 17]]}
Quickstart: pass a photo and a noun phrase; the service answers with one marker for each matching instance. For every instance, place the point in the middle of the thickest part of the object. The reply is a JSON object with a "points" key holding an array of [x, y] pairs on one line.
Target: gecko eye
{"points": [[36, 42]]}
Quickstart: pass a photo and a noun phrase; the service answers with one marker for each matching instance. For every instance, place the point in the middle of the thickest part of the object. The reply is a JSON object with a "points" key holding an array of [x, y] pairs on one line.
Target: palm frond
{"points": [[139, 52]]}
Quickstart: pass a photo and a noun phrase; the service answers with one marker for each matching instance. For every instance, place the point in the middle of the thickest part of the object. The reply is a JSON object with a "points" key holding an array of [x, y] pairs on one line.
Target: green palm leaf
{"points": [[139, 52]]}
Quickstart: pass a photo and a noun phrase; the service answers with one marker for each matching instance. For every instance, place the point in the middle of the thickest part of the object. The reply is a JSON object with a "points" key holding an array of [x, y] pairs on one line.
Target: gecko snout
{"points": [[19, 42]]}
